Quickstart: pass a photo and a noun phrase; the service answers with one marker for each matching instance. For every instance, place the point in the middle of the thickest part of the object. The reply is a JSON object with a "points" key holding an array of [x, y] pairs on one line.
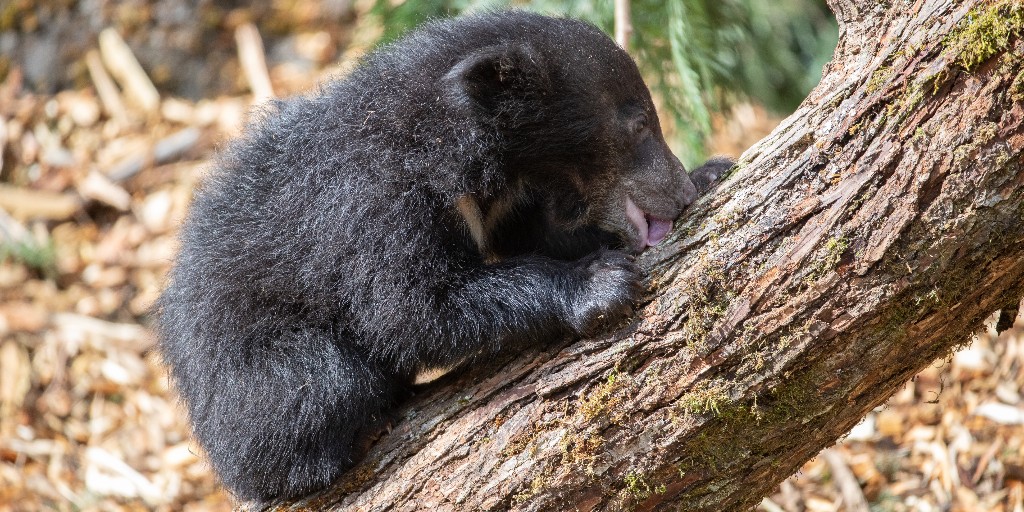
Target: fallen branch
{"points": [[869, 234]]}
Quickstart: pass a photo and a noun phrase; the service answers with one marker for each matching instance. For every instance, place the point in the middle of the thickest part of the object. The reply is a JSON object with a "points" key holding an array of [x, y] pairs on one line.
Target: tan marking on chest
{"points": [[431, 374], [469, 208]]}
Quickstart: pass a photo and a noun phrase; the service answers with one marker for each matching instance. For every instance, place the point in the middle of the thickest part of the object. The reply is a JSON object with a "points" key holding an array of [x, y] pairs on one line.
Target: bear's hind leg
{"points": [[289, 417]]}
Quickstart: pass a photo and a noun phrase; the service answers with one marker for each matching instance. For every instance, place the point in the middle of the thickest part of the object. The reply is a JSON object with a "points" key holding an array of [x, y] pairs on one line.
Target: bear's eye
{"points": [[639, 125]]}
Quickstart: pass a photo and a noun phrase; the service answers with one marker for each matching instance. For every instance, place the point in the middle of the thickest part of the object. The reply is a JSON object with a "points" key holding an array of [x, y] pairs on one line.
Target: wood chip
{"points": [[108, 474], [98, 187], [890, 423], [109, 95], [17, 316], [125, 68], [770, 506], [155, 212], [25, 203], [15, 382], [165, 150], [849, 487], [81, 108], [1001, 413], [123, 336], [254, 65], [3, 139]]}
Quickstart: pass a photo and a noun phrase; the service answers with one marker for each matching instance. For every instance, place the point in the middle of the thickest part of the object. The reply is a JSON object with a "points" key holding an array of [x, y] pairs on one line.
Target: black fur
{"points": [[706, 177], [324, 262]]}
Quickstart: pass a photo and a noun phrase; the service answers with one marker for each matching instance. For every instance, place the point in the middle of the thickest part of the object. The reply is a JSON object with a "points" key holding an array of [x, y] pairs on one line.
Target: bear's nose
{"points": [[687, 191]]}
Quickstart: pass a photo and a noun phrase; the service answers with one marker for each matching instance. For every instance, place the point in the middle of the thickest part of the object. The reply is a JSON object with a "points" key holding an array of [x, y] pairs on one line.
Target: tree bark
{"points": [[871, 232]]}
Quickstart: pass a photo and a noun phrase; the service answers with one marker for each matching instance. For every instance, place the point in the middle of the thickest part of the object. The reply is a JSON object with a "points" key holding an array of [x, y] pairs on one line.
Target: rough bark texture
{"points": [[874, 230]]}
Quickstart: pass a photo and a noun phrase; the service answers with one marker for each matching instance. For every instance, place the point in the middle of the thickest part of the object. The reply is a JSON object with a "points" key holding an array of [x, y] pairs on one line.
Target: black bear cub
{"points": [[478, 186]]}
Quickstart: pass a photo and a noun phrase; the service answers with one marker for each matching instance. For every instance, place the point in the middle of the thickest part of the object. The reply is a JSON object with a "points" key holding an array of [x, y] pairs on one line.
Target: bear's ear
{"points": [[489, 78]]}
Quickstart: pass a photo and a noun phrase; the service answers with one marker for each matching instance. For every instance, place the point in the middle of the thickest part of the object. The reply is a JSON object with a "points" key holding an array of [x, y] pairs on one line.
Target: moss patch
{"points": [[832, 254], [900, 109], [708, 300], [602, 398], [855, 128], [518, 443], [982, 136], [796, 399], [879, 78], [535, 486], [639, 489], [1017, 87], [705, 398], [581, 446], [984, 32]]}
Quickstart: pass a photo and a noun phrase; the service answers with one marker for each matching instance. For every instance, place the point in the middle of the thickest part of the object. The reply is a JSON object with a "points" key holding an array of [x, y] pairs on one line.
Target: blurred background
{"points": [[110, 110]]}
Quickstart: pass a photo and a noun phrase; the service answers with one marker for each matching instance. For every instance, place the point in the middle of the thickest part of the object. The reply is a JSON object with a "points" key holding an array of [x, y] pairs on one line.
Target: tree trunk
{"points": [[870, 233]]}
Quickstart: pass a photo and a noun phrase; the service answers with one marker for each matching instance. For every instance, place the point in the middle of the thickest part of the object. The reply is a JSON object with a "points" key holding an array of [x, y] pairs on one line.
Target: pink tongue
{"points": [[656, 230]]}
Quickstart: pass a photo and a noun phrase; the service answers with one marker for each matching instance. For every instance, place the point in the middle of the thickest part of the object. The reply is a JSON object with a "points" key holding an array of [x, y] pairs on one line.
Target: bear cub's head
{"points": [[584, 158]]}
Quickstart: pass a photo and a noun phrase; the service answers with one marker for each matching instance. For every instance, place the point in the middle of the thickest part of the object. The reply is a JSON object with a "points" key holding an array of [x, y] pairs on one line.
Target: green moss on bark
{"points": [[984, 32]]}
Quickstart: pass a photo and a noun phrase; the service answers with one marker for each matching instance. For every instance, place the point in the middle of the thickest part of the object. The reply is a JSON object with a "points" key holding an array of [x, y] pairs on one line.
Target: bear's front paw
{"points": [[613, 285], [706, 176]]}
